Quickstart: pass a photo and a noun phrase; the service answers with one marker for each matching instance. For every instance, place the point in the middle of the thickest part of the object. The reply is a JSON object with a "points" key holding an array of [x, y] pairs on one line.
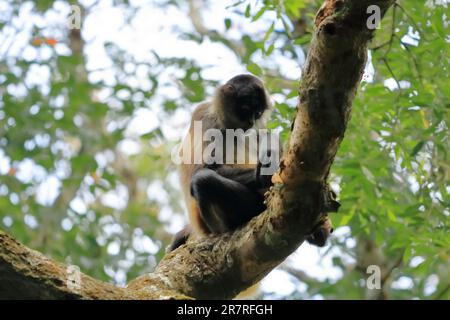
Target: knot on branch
{"points": [[344, 23]]}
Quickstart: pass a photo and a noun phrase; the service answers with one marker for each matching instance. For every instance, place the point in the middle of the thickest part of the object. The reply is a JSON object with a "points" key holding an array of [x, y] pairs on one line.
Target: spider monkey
{"points": [[223, 196]]}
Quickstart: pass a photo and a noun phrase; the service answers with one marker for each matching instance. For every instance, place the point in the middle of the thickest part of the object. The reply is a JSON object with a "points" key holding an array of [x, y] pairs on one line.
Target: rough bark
{"points": [[222, 266], [28, 274]]}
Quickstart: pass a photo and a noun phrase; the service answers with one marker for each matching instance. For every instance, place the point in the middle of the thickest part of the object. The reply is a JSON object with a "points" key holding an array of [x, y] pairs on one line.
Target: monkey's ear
{"points": [[228, 89]]}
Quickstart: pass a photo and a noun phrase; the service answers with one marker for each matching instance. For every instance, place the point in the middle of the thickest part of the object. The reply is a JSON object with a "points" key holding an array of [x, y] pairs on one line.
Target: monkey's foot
{"points": [[321, 232]]}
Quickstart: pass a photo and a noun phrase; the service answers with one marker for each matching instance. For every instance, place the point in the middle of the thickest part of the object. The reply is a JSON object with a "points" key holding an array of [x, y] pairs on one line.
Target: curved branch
{"points": [[28, 274], [222, 266]]}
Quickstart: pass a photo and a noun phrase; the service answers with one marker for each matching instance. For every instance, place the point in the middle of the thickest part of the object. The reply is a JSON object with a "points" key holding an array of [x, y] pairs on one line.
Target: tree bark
{"points": [[220, 267]]}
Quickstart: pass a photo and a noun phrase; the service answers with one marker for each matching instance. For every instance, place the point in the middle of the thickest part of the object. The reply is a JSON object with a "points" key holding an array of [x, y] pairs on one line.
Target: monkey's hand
{"points": [[321, 232]]}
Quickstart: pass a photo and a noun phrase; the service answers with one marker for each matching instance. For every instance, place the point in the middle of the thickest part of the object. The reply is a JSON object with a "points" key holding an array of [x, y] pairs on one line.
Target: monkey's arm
{"points": [[246, 176], [253, 178]]}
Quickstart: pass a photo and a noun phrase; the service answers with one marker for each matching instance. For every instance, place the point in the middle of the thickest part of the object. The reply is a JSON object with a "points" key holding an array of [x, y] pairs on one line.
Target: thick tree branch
{"points": [[222, 266], [28, 274]]}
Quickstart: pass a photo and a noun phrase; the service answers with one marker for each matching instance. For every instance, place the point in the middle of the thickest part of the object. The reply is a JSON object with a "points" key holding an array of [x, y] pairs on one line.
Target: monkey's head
{"points": [[242, 102]]}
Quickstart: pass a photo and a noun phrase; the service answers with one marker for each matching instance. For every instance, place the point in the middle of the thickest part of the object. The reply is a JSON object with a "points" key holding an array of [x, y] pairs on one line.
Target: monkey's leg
{"points": [[321, 232], [224, 204]]}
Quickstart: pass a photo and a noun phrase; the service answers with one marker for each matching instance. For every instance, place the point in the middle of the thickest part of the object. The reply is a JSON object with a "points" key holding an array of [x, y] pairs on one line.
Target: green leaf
{"points": [[269, 49], [259, 14], [247, 11], [227, 22], [254, 68], [269, 32], [346, 218], [417, 148], [391, 216], [303, 40]]}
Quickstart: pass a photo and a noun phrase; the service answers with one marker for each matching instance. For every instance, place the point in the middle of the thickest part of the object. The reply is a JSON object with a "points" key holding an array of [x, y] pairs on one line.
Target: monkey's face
{"points": [[245, 101]]}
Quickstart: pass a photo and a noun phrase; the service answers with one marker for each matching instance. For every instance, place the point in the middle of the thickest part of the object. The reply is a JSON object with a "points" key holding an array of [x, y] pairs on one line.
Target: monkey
{"points": [[223, 196]]}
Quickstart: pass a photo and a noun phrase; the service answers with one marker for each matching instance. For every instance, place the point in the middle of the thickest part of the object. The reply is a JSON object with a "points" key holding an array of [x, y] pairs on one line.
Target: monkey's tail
{"points": [[180, 238]]}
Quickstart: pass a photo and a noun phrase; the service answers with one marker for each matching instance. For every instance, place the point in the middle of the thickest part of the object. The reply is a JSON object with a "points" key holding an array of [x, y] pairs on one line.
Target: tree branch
{"points": [[220, 267], [28, 274]]}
